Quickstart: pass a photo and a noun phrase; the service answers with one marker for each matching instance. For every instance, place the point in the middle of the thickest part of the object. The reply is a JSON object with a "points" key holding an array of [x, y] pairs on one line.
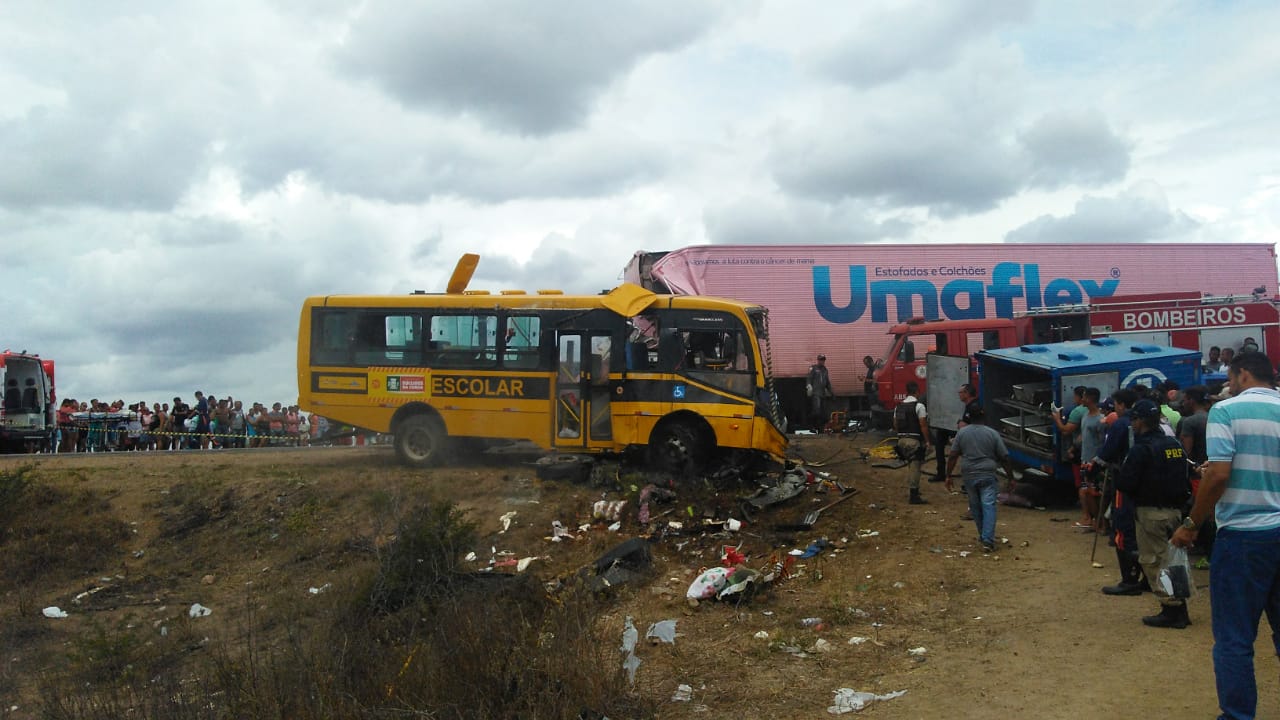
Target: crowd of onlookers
{"points": [[208, 423]]}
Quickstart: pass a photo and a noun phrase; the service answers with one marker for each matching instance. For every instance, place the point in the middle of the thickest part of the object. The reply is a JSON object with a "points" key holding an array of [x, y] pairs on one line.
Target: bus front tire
{"points": [[420, 441], [677, 448]]}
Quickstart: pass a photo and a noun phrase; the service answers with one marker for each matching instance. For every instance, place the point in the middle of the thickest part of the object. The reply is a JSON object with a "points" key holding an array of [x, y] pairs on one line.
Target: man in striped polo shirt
{"points": [[1242, 478]]}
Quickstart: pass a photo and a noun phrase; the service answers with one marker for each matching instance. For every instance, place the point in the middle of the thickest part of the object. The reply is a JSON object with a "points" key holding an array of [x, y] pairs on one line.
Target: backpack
{"points": [[905, 421]]}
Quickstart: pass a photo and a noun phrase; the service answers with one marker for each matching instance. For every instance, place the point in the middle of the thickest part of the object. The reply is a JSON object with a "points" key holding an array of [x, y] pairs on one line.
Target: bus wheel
{"points": [[677, 448], [420, 441]]}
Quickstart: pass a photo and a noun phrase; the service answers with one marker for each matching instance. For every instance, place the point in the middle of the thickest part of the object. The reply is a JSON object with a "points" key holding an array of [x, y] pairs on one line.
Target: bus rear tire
{"points": [[678, 448], [421, 441]]}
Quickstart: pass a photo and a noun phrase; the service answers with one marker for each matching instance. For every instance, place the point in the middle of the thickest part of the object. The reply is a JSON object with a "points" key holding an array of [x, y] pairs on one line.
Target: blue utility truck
{"points": [[1019, 385]]}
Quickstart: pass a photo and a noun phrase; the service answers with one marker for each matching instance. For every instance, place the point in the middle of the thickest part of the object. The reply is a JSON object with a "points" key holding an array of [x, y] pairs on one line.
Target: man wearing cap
{"points": [[979, 450], [819, 390], [1154, 476], [1241, 484]]}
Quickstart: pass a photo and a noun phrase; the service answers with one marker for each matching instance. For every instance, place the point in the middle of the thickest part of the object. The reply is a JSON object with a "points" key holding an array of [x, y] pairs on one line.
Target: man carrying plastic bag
{"points": [[1154, 475]]}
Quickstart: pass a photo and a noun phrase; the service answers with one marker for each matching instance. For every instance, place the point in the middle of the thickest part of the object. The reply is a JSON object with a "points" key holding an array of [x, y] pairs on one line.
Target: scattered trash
{"points": [[683, 693], [791, 484], [964, 553], [506, 521], [732, 525], [662, 631], [811, 517], [630, 663], [709, 583], [1098, 565], [560, 532], [868, 533], [318, 590], [648, 494], [87, 593], [917, 651], [762, 635], [820, 646], [858, 640], [899, 585], [607, 509], [815, 547], [616, 526], [731, 557], [471, 557], [850, 700], [811, 622], [53, 611], [622, 564], [198, 610]]}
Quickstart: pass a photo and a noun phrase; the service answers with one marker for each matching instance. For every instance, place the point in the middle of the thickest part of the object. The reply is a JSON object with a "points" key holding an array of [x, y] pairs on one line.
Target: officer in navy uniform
{"points": [[1154, 475]]}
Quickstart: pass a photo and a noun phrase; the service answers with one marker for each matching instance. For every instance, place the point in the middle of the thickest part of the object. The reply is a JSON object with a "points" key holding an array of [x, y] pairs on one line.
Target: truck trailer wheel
{"points": [[421, 441]]}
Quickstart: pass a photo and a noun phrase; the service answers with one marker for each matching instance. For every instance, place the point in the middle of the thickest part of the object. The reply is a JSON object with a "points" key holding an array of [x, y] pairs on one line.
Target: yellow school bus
{"points": [[684, 376]]}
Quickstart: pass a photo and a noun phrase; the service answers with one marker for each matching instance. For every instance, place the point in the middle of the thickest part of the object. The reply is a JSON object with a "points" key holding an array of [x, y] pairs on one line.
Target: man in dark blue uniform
{"points": [[1154, 475]]}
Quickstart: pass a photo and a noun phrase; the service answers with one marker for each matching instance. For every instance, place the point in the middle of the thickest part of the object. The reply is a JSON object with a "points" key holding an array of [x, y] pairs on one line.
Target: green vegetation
{"points": [[408, 633]]}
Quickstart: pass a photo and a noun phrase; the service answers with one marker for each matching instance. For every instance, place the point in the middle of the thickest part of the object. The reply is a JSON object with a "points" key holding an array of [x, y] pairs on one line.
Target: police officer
{"points": [[1154, 475]]}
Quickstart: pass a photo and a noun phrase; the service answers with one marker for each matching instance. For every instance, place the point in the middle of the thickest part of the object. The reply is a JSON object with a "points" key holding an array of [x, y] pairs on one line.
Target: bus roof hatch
{"points": [[629, 300], [462, 273]]}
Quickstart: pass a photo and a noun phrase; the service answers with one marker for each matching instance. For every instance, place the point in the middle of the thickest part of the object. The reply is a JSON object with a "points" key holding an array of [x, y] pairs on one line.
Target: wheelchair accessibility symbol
{"points": [[677, 392]]}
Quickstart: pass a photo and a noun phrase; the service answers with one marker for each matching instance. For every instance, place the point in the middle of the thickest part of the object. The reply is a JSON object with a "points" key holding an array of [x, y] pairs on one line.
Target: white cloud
{"points": [[530, 68], [178, 177], [1140, 214]]}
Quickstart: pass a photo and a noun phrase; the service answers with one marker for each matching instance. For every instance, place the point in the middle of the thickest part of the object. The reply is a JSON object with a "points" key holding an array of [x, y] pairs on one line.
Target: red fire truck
{"points": [[27, 413], [1185, 320]]}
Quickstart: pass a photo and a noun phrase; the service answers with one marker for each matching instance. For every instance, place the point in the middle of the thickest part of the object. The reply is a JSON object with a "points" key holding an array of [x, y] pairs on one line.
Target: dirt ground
{"points": [[1019, 633]]}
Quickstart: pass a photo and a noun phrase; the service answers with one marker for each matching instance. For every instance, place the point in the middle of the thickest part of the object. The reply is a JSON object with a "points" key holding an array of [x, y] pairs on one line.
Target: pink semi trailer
{"points": [[842, 300]]}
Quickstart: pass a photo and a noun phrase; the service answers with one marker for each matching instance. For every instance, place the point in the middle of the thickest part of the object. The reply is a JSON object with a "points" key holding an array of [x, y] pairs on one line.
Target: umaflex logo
{"points": [[965, 298]]}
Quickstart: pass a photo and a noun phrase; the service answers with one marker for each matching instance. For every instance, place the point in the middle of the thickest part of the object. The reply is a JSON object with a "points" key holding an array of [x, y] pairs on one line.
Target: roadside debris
{"points": [[850, 700], [560, 532], [662, 631], [623, 563], [506, 521], [683, 693], [197, 611], [53, 611], [630, 662]]}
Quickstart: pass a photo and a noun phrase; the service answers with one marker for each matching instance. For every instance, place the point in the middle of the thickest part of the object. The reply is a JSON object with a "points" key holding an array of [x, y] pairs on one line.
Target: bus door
{"points": [[583, 413]]}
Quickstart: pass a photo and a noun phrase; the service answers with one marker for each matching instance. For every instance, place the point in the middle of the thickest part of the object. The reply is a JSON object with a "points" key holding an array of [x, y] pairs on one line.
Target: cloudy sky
{"points": [[175, 177]]}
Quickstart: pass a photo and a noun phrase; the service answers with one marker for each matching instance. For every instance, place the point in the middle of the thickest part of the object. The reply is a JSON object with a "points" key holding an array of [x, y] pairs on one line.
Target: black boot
{"points": [[1138, 572], [1171, 616], [1130, 576], [916, 499]]}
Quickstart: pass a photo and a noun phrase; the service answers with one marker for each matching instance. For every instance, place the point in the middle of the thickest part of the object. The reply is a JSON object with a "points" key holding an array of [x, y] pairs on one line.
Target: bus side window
{"points": [[522, 343]]}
